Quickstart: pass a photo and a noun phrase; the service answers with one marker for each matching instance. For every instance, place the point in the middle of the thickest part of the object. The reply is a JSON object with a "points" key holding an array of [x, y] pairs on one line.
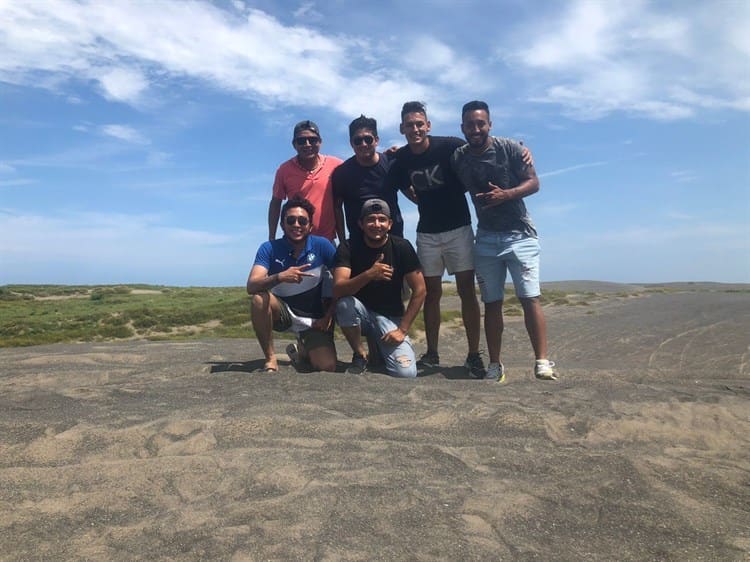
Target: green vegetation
{"points": [[39, 314]]}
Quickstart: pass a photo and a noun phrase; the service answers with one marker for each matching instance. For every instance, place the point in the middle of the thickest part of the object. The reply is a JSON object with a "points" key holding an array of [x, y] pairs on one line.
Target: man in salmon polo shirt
{"points": [[307, 175]]}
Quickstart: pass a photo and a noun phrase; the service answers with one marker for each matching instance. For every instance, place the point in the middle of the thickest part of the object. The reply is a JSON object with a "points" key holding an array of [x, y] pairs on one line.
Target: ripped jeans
{"points": [[399, 359]]}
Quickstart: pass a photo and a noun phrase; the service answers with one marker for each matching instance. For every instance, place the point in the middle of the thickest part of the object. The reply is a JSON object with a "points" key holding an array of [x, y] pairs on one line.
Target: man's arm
{"points": [[338, 213], [259, 280], [497, 196], [415, 280], [416, 283], [344, 284], [324, 323], [274, 212], [410, 194]]}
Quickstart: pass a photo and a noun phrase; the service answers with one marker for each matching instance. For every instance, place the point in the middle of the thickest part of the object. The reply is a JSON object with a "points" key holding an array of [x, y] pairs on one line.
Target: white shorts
{"points": [[451, 250]]}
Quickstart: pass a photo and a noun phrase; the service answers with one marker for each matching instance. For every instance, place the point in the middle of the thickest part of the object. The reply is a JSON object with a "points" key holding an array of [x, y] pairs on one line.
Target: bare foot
{"points": [[271, 366]]}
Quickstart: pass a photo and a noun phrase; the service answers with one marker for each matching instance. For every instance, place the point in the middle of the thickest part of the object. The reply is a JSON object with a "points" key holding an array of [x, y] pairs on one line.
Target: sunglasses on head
{"points": [[366, 139], [302, 141], [292, 220]]}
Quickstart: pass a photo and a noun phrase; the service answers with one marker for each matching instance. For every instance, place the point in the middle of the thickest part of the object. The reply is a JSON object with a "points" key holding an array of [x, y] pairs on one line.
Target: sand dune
{"points": [[180, 451]]}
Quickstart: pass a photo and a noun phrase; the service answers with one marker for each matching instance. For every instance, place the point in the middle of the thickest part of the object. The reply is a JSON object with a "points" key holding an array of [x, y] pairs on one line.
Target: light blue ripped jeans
{"points": [[399, 359]]}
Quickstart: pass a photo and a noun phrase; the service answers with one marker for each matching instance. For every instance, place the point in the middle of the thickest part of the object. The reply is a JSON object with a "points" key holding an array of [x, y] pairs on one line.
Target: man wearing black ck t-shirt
{"points": [[444, 233], [445, 238]]}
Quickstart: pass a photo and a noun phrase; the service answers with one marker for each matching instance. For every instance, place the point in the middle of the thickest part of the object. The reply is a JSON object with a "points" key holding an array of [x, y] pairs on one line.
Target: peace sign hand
{"points": [[294, 274]]}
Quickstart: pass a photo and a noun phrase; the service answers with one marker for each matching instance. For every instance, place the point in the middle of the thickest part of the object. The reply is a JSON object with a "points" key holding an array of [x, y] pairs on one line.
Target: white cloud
{"points": [[590, 58], [123, 84], [6, 168], [433, 58], [684, 176], [596, 58], [569, 169], [125, 46], [15, 182], [124, 132], [307, 12]]}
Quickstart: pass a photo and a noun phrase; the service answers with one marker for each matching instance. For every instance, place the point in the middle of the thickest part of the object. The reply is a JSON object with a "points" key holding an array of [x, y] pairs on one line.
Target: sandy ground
{"points": [[179, 451]]}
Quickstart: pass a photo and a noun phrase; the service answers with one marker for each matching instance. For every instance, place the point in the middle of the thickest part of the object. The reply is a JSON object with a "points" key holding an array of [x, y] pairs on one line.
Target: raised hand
{"points": [[526, 156], [294, 274], [381, 271], [496, 196]]}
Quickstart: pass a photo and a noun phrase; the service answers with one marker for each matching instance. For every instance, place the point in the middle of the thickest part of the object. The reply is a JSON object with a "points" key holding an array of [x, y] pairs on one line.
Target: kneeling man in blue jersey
{"points": [[286, 284], [367, 282]]}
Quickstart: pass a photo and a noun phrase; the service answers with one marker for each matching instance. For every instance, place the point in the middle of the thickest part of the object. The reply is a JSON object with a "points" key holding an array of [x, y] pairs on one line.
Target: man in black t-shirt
{"points": [[363, 177], [444, 235], [367, 281]]}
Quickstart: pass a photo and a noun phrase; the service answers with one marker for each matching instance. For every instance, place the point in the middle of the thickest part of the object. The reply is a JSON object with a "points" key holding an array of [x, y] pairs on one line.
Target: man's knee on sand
{"points": [[402, 366]]}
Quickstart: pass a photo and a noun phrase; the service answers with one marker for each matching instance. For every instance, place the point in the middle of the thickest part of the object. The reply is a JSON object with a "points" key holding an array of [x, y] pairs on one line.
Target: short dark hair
{"points": [[301, 202], [413, 107], [475, 105], [363, 122]]}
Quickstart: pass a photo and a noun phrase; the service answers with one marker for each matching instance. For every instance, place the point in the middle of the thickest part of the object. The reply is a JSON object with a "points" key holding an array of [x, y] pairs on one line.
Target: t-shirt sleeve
{"points": [[263, 256], [328, 253], [408, 257], [343, 257], [515, 150]]}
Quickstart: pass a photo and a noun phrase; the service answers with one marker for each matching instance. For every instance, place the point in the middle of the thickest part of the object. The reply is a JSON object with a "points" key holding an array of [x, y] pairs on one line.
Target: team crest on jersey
{"points": [[310, 257]]}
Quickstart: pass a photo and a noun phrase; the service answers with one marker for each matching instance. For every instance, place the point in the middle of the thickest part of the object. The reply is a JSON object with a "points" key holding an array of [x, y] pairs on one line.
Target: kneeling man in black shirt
{"points": [[367, 281]]}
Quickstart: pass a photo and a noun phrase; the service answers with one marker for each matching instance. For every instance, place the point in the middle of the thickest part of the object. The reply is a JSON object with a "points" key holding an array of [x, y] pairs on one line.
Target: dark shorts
{"points": [[311, 339]]}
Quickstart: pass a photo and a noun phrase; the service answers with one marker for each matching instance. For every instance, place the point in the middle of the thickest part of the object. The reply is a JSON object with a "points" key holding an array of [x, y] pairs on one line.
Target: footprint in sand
{"points": [[183, 437]]}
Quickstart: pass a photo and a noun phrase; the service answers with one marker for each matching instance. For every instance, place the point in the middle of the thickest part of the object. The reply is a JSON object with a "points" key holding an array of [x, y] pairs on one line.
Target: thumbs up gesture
{"points": [[381, 271]]}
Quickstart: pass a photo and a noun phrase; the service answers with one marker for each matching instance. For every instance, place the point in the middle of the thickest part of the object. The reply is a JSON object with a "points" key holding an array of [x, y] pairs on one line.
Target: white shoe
{"points": [[544, 370]]}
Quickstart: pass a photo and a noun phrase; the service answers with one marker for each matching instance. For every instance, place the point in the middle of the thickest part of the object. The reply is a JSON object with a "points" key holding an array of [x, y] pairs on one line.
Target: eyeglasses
{"points": [[302, 141], [366, 139], [292, 220]]}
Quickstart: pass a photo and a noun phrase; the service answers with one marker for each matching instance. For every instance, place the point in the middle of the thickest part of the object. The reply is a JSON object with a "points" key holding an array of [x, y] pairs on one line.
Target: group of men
{"points": [[289, 282]]}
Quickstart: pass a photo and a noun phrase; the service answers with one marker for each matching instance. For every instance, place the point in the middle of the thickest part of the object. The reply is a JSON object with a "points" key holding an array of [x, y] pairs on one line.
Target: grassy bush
{"points": [[31, 315]]}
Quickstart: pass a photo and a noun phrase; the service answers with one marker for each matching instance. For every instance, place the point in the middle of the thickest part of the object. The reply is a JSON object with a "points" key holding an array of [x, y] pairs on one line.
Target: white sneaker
{"points": [[544, 370]]}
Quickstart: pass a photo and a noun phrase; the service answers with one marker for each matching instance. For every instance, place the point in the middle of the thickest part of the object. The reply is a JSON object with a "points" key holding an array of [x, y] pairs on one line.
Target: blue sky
{"points": [[139, 139]]}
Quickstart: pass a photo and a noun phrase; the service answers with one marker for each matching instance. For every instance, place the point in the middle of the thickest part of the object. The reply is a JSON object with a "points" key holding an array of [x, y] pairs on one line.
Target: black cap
{"points": [[306, 125], [373, 206]]}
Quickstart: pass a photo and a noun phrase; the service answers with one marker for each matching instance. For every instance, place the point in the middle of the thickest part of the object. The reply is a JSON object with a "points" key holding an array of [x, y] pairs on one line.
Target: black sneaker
{"points": [[430, 360], [293, 352], [358, 366], [475, 365], [300, 363]]}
